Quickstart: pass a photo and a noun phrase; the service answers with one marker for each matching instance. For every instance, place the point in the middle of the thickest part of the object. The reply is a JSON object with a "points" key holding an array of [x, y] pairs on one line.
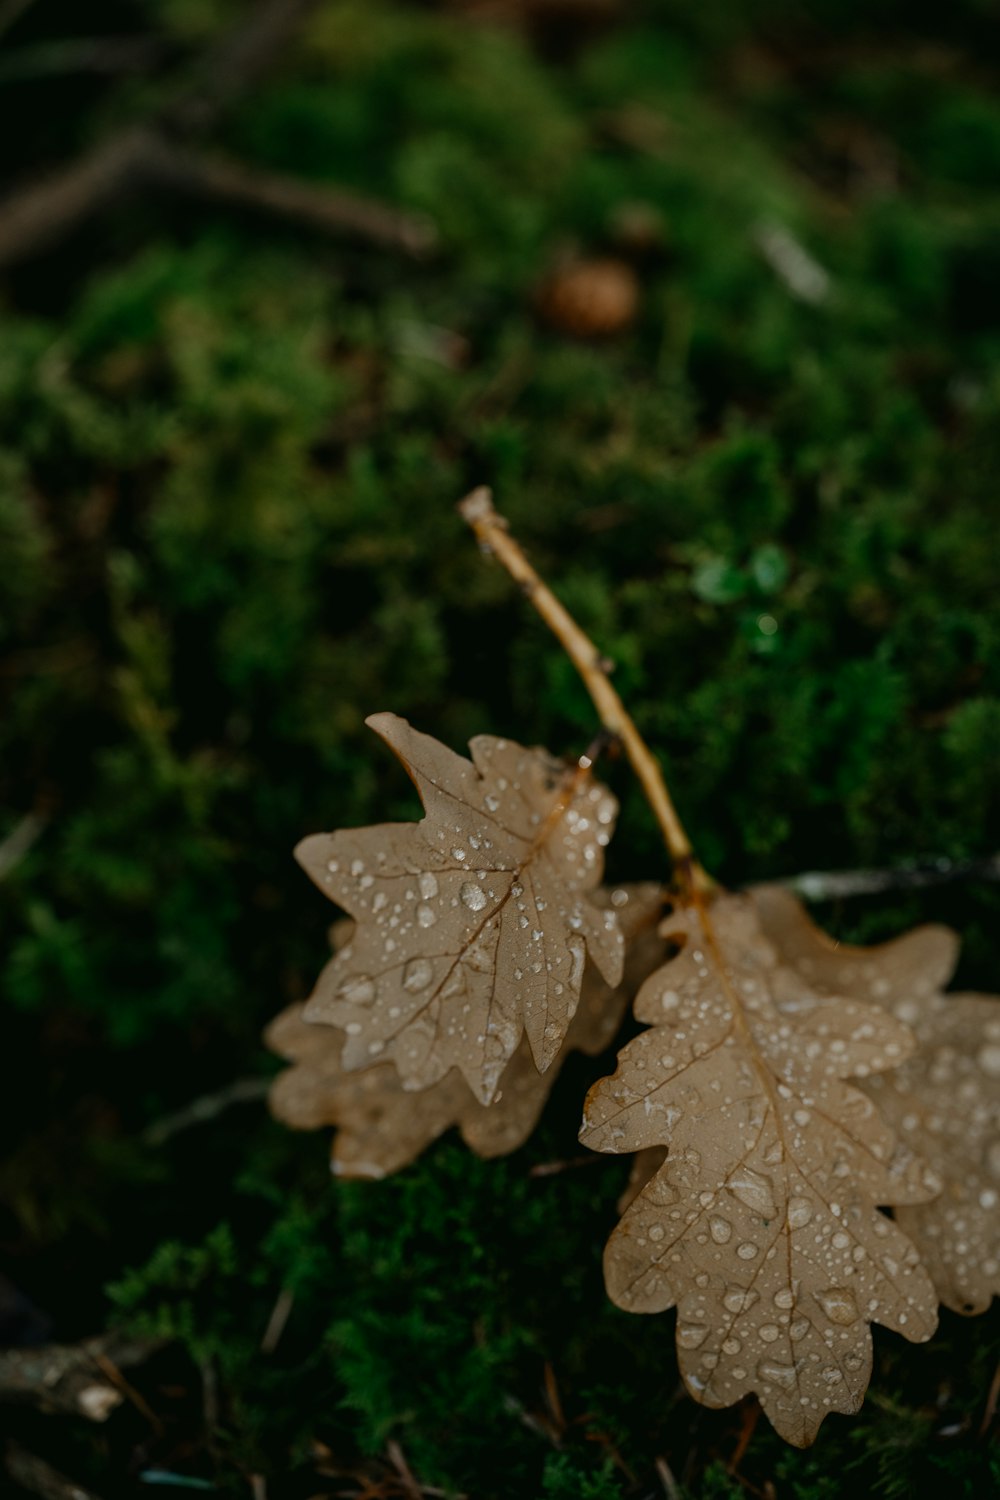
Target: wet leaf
{"points": [[761, 1226], [382, 1126], [644, 1164], [944, 1101], [473, 926]]}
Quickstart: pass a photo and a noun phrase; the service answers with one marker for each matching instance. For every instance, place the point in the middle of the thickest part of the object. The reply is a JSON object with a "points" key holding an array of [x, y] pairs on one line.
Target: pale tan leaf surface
{"points": [[944, 1101], [383, 1126], [644, 1165], [761, 1226], [473, 926]]}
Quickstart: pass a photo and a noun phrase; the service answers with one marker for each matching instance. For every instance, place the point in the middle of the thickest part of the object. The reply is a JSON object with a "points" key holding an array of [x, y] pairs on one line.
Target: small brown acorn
{"points": [[590, 298]]}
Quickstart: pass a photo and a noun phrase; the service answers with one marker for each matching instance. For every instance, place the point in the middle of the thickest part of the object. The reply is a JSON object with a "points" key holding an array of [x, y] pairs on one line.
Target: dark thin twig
{"points": [[665, 1474], [205, 1108], [39, 1478], [20, 841], [819, 885], [42, 214], [552, 1168], [235, 63], [397, 1458], [313, 207], [276, 1323], [128, 1390], [146, 156], [992, 1397], [38, 215], [74, 1378], [102, 55], [12, 11]]}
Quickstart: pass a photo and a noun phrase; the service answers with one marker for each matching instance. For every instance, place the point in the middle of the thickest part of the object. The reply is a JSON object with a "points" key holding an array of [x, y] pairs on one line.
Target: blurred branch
{"points": [[22, 838], [81, 1379], [329, 212], [103, 54], [205, 1108], [11, 11], [146, 156], [236, 62], [36, 216], [40, 1478], [830, 885]]}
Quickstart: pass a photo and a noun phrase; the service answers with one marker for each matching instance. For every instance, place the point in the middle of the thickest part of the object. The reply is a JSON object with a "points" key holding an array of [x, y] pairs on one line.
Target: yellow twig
{"points": [[493, 533]]}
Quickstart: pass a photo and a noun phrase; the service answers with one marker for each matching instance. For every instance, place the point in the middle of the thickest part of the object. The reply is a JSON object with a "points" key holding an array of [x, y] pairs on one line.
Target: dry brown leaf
{"points": [[383, 1127], [645, 1164], [474, 924], [944, 1101], [761, 1226]]}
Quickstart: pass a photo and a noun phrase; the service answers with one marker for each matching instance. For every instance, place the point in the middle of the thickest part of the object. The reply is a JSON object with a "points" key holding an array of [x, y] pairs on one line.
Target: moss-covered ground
{"points": [[230, 456]]}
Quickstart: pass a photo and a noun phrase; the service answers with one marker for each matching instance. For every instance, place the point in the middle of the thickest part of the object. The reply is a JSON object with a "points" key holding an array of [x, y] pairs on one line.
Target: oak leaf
{"points": [[382, 1126], [644, 1165], [944, 1101], [473, 926], [761, 1225]]}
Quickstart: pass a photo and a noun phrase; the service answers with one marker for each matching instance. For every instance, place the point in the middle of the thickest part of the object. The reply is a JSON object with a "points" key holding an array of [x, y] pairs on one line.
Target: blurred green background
{"points": [[230, 450]]}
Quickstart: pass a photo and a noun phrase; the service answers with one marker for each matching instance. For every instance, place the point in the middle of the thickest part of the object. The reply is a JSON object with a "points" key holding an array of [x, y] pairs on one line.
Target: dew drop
{"points": [[426, 915], [839, 1306], [737, 1300], [776, 1374], [799, 1212], [748, 1250], [417, 975], [691, 1335], [428, 885], [357, 990], [753, 1190], [988, 1058], [473, 896], [720, 1229]]}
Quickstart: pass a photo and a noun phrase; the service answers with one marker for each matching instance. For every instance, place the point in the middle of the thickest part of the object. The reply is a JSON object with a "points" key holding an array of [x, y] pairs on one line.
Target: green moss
{"points": [[230, 459]]}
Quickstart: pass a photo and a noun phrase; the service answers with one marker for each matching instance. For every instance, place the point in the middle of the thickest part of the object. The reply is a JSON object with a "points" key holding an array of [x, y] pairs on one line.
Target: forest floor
{"points": [[759, 459]]}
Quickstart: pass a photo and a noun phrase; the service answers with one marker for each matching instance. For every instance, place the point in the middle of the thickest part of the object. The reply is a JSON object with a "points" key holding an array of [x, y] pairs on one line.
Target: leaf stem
{"points": [[493, 533]]}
